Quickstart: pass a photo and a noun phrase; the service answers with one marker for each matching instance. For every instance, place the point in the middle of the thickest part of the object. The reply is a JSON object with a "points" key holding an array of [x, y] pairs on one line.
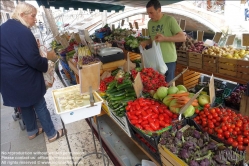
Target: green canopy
{"points": [[78, 4]]}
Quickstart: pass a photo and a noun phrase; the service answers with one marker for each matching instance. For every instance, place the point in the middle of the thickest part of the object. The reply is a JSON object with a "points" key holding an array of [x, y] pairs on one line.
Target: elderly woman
{"points": [[22, 67]]}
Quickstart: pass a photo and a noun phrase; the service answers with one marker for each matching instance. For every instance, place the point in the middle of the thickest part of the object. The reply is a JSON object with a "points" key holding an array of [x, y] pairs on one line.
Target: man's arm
{"points": [[179, 37]]}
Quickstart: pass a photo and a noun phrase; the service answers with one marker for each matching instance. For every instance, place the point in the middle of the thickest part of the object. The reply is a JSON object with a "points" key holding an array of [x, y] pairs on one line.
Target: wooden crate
{"points": [[210, 63], [189, 79], [244, 105], [182, 57], [168, 158], [134, 56], [243, 70], [227, 66], [195, 60]]}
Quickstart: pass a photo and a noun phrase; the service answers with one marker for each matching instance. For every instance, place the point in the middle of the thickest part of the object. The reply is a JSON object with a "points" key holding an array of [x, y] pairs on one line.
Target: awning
{"points": [[78, 4]]}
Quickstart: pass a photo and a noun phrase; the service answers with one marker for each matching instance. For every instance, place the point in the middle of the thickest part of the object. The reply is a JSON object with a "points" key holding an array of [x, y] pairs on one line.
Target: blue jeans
{"points": [[29, 118], [170, 74]]}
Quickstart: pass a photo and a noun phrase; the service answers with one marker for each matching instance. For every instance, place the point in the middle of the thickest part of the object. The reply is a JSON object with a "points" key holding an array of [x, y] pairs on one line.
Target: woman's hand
{"points": [[51, 55]]}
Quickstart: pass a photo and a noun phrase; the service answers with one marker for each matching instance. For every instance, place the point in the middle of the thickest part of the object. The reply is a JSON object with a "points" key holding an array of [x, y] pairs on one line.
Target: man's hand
{"points": [[160, 38], [145, 43]]}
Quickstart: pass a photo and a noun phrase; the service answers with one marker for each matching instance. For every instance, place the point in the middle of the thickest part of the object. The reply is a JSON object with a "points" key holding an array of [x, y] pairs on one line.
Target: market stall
{"points": [[146, 108]]}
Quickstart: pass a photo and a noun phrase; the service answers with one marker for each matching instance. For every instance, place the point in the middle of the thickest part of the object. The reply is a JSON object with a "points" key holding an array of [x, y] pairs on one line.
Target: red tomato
{"points": [[207, 106], [240, 138], [161, 117]]}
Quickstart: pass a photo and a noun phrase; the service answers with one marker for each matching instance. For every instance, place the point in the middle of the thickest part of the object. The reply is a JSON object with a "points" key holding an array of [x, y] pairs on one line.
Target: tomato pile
{"points": [[151, 79], [150, 115], [105, 82], [227, 125]]}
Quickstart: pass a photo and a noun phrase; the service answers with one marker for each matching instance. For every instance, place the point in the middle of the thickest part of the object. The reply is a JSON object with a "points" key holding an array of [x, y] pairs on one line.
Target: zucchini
{"points": [[127, 82], [117, 98], [117, 92], [130, 94], [111, 85], [130, 90], [111, 91], [125, 86]]}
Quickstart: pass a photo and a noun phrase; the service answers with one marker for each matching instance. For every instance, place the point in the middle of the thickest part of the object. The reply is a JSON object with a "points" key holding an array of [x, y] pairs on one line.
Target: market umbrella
{"points": [[78, 4]]}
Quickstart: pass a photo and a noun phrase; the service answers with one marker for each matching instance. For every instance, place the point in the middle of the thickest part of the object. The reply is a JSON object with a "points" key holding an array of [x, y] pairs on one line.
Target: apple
{"points": [[173, 90], [162, 92], [167, 100], [181, 91], [155, 96], [204, 99], [172, 106], [182, 87]]}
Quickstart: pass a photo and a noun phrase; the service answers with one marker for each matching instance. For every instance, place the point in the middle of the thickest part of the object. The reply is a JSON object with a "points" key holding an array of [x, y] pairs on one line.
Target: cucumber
{"points": [[117, 92], [126, 82], [109, 91]]}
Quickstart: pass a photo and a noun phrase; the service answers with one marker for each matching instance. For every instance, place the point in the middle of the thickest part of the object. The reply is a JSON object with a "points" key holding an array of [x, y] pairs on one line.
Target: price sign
{"points": [[182, 24], [58, 39], [77, 37], [122, 23], [113, 26], [143, 31], [130, 25], [136, 25], [138, 85], [245, 40], [212, 90], [230, 40], [217, 37], [200, 35], [64, 37], [64, 43]]}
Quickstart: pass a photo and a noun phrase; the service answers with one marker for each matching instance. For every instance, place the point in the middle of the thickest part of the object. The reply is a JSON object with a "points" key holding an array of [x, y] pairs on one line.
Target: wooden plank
{"points": [[226, 60], [227, 67], [193, 78], [195, 65], [244, 105], [113, 64], [227, 72], [188, 77], [191, 85]]}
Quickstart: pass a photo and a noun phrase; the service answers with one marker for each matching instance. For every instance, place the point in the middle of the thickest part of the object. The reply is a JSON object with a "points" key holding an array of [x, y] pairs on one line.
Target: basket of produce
{"points": [[233, 100], [188, 146], [225, 125]]}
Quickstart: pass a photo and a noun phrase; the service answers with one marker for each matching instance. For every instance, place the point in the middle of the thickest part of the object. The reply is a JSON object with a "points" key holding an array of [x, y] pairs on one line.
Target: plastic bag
{"points": [[49, 75], [152, 58]]}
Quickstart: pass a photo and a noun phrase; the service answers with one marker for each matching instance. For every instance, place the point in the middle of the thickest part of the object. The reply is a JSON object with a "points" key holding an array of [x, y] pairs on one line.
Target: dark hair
{"points": [[155, 3]]}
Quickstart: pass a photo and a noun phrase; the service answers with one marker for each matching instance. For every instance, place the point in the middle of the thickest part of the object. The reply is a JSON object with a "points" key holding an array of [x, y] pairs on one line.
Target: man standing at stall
{"points": [[164, 29]]}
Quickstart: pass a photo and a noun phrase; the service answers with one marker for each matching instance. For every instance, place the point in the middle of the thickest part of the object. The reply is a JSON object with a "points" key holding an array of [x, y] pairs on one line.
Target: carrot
{"points": [[179, 94], [177, 106], [195, 104]]}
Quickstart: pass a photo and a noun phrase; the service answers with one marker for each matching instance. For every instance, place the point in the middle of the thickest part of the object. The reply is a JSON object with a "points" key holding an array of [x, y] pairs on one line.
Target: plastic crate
{"points": [[121, 121]]}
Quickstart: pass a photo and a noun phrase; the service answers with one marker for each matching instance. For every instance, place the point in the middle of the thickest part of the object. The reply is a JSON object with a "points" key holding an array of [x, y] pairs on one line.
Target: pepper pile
{"points": [[151, 79], [104, 83], [147, 114]]}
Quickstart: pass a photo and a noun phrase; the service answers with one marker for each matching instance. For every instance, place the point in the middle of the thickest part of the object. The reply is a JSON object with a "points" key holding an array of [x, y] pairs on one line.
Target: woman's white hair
{"points": [[24, 8]]}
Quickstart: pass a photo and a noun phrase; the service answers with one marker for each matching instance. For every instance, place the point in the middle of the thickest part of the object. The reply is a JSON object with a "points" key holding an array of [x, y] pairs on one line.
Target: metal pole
{"points": [[69, 148]]}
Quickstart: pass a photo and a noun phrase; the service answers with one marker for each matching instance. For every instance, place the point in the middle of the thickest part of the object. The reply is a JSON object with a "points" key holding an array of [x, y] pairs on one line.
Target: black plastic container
{"points": [[111, 58], [153, 141]]}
